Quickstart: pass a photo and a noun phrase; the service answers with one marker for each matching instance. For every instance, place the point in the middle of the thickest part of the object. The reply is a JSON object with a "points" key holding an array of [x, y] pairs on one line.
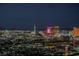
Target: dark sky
{"points": [[23, 16]]}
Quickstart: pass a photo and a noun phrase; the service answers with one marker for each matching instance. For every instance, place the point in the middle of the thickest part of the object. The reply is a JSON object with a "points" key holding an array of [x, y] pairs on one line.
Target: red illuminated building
{"points": [[50, 31]]}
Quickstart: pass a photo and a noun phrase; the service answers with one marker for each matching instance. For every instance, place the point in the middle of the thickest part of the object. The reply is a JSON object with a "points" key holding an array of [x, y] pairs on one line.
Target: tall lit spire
{"points": [[35, 28]]}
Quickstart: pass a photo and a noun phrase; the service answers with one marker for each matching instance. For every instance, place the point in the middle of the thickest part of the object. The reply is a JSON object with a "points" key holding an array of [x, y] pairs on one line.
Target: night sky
{"points": [[23, 16]]}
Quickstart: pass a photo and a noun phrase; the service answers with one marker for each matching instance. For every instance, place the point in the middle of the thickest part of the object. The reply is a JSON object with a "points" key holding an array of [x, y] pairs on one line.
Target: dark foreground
{"points": [[23, 47]]}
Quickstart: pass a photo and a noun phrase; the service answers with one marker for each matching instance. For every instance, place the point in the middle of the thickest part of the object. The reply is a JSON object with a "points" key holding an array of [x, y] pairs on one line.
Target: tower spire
{"points": [[35, 28]]}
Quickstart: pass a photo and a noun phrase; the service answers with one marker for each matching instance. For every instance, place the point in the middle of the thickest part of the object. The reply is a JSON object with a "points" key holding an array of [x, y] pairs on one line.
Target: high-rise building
{"points": [[51, 31], [75, 32], [34, 31]]}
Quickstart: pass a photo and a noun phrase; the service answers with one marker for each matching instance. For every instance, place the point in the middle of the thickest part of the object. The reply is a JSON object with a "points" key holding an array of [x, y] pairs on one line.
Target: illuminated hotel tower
{"points": [[35, 29]]}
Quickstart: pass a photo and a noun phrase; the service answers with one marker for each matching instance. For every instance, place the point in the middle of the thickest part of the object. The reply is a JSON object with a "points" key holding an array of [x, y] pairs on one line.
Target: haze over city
{"points": [[23, 16]]}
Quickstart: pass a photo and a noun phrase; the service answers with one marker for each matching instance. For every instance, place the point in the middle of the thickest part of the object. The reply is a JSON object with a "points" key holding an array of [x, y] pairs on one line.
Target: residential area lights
{"points": [[51, 41]]}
